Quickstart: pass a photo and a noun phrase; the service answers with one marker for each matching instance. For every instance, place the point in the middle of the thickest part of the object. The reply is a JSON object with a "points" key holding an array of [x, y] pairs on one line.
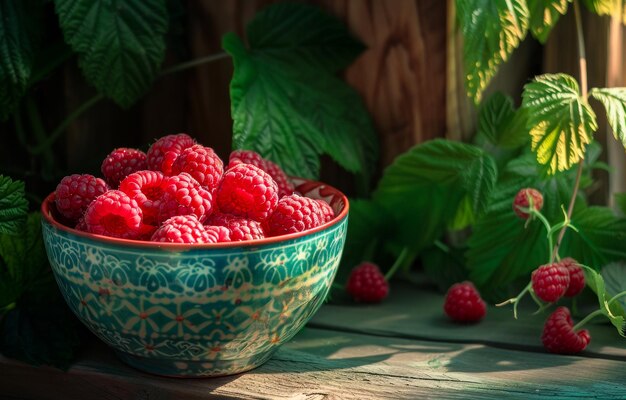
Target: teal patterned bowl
{"points": [[197, 310]]}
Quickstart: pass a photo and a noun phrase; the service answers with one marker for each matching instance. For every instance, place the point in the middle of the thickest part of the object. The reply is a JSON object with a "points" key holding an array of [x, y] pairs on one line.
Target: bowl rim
{"points": [[48, 217]]}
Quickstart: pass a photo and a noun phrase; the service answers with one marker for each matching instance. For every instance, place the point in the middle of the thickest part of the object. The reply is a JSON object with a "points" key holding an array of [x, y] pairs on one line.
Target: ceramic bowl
{"points": [[197, 310]]}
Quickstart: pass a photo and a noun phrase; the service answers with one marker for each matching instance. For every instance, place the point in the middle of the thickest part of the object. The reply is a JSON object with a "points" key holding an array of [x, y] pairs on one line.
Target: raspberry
{"points": [[202, 163], [182, 229], [164, 151], [247, 191], [463, 303], [238, 228], [114, 214], [523, 200], [367, 284], [558, 334], [246, 157], [285, 187], [576, 277], [550, 282], [326, 211], [219, 234], [146, 188], [75, 192], [121, 163], [183, 195], [293, 214], [80, 225]]}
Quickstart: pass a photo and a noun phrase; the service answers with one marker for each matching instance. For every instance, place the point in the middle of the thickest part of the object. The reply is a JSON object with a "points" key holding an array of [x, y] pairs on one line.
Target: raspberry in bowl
{"points": [[210, 308]]}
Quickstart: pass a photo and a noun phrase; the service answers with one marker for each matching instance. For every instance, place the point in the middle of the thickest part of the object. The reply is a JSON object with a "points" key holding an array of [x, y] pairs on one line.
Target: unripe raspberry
{"points": [[524, 199]]}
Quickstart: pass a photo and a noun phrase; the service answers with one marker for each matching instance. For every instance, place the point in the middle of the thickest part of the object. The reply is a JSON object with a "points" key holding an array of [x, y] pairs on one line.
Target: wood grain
{"points": [[324, 364]]}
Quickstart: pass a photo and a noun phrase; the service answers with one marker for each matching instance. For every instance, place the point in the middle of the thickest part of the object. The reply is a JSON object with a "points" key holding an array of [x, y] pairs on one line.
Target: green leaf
{"points": [[16, 54], [288, 106], [616, 8], [614, 102], [426, 186], [613, 312], [444, 265], [544, 14], [290, 33], [501, 248], [494, 115], [620, 202], [600, 238], [614, 275], [24, 254], [491, 31], [13, 206], [561, 123], [120, 44]]}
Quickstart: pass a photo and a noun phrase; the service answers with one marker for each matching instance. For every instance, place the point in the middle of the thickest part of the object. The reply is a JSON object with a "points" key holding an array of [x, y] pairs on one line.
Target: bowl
{"points": [[202, 309]]}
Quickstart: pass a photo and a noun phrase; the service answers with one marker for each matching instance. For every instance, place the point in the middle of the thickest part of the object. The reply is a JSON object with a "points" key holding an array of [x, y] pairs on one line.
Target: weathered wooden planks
{"points": [[324, 364]]}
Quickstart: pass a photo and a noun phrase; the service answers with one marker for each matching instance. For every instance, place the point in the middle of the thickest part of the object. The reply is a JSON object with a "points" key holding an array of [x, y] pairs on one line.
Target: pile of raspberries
{"points": [[181, 192]]}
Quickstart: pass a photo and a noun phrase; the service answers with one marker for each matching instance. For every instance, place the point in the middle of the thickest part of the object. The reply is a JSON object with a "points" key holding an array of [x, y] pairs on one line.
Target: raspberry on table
{"points": [[294, 213], [75, 192], [182, 229], [219, 234], [523, 200], [326, 211], [558, 334], [576, 277], [163, 153], [122, 162], [463, 303], [145, 187], [183, 195], [114, 214], [367, 284], [202, 163], [550, 282], [248, 192], [238, 228]]}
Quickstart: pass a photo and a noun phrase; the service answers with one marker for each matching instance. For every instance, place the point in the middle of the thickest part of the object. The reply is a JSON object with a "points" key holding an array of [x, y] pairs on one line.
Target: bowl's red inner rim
{"points": [[47, 215]]}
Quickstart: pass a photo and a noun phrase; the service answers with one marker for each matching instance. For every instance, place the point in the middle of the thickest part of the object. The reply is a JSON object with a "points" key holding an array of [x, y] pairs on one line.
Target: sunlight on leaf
{"points": [[614, 102], [544, 14], [561, 122]]}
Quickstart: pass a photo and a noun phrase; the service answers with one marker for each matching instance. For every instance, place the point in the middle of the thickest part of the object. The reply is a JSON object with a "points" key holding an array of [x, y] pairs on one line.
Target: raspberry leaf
{"points": [[561, 123], [435, 178], [615, 8], [501, 249], [544, 14], [614, 102], [614, 275], [13, 206], [17, 54], [120, 45], [491, 31], [614, 312], [286, 102]]}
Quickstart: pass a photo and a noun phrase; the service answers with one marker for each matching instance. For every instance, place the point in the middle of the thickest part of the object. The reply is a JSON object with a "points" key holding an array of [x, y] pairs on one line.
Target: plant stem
{"points": [[46, 144], [582, 63], [404, 256], [617, 296], [194, 63], [587, 319]]}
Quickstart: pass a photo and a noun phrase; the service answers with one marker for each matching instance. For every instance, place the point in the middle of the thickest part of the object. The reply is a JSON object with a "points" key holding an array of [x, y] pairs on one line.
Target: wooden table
{"points": [[402, 349]]}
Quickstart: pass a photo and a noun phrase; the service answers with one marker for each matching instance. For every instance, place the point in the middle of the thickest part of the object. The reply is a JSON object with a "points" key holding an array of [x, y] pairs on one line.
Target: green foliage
{"points": [[120, 44], [561, 123], [620, 202], [613, 311], [614, 101], [16, 54], [544, 14], [615, 8], [13, 205], [286, 102], [491, 31], [614, 275], [426, 186]]}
